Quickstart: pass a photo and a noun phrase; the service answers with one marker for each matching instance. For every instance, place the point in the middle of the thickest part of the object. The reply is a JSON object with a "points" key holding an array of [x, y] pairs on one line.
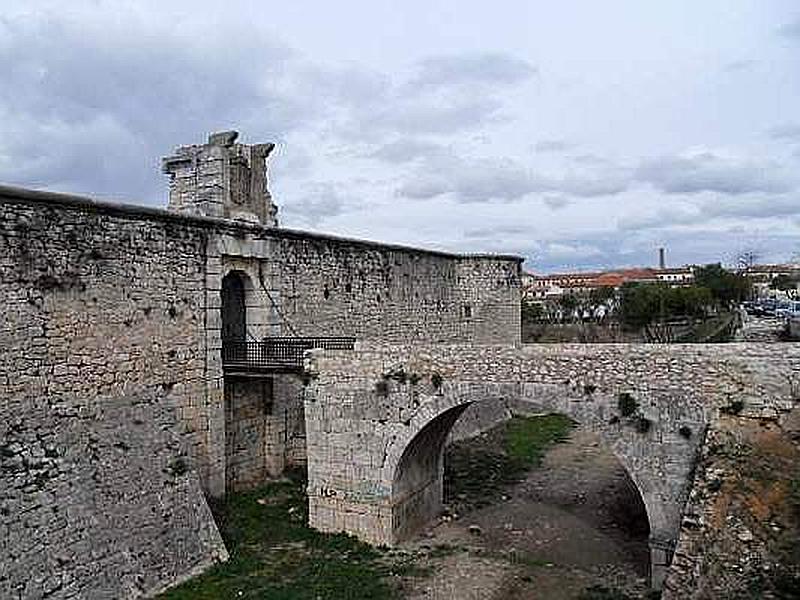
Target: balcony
{"points": [[276, 354]]}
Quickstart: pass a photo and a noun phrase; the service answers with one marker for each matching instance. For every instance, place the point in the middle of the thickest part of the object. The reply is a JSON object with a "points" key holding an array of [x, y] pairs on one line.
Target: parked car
{"points": [[788, 309], [767, 307]]}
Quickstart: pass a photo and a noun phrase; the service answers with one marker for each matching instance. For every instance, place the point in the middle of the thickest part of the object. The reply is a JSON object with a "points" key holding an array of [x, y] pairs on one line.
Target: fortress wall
{"points": [[308, 285], [101, 330], [112, 404], [321, 286]]}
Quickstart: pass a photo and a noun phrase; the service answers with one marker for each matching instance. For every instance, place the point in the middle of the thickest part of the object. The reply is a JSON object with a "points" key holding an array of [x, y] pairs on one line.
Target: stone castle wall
{"points": [[112, 393], [100, 320], [298, 284]]}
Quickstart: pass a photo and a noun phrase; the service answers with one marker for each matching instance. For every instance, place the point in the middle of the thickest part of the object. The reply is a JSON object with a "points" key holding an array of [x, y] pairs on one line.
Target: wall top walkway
{"points": [[132, 211]]}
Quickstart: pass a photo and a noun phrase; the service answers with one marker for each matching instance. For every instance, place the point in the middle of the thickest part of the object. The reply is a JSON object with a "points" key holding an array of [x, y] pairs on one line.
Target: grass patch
{"points": [[478, 470], [527, 439], [275, 555]]}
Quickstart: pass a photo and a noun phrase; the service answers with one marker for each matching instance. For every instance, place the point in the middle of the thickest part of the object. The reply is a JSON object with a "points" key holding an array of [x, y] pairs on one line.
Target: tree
{"points": [[568, 302], [783, 282], [726, 287], [531, 311], [601, 295], [646, 303], [641, 304]]}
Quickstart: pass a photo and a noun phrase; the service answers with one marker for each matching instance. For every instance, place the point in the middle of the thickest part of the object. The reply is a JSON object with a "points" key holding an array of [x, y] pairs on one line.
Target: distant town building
{"points": [[543, 287], [766, 273], [763, 276]]}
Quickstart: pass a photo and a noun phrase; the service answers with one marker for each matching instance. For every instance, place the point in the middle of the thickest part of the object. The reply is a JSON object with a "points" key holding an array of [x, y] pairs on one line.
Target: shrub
{"points": [[685, 431], [734, 408], [436, 381], [643, 424], [627, 404], [382, 388], [178, 466]]}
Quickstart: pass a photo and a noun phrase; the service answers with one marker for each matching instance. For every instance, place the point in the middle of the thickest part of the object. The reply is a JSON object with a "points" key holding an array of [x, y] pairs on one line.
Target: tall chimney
{"points": [[662, 263]]}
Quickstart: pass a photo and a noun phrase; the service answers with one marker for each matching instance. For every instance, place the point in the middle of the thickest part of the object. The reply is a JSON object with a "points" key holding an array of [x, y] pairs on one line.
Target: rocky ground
{"points": [[573, 528], [740, 537]]}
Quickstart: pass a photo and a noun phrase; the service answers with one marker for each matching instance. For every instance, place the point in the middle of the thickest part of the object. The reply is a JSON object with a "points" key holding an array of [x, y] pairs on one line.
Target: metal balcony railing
{"points": [[276, 353]]}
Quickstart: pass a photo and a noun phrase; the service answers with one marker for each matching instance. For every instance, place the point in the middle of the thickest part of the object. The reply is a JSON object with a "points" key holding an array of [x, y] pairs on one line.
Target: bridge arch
{"points": [[413, 469], [377, 418]]}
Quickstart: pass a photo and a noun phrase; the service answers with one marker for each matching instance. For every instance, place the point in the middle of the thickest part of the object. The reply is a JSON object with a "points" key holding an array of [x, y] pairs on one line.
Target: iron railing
{"points": [[276, 353]]}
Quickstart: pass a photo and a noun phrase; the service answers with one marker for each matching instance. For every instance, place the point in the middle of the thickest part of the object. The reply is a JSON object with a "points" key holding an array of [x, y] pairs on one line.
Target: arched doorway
{"points": [[234, 308], [248, 400]]}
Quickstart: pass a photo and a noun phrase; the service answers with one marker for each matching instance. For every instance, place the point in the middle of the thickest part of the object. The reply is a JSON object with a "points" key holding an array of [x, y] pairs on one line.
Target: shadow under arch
{"points": [[414, 467]]}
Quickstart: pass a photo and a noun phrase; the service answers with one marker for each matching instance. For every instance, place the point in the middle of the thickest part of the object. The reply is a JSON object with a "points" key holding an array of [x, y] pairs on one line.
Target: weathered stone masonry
{"points": [[377, 419], [99, 322], [112, 393]]}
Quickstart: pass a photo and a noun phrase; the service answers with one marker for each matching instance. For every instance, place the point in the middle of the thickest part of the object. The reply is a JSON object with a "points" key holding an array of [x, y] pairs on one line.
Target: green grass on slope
{"points": [[274, 555]]}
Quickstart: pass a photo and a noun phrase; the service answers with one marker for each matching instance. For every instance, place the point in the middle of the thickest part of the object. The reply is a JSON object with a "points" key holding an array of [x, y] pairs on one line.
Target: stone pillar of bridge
{"points": [[661, 551]]}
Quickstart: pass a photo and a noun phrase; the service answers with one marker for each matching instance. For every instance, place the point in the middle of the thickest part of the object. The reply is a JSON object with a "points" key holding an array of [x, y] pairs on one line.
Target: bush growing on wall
{"points": [[627, 404]]}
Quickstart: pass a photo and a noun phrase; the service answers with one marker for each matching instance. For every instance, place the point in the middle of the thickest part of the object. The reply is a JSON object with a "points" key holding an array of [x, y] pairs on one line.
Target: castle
{"points": [[153, 358]]}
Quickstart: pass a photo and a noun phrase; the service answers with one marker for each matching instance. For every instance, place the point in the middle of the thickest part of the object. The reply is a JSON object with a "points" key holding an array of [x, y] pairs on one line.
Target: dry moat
{"points": [[535, 508]]}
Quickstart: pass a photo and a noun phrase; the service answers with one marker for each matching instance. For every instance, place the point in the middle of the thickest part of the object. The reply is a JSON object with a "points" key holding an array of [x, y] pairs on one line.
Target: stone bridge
{"points": [[377, 419]]}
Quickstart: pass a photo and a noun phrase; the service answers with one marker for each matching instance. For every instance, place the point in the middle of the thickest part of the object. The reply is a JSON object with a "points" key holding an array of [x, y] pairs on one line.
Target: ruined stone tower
{"points": [[222, 179]]}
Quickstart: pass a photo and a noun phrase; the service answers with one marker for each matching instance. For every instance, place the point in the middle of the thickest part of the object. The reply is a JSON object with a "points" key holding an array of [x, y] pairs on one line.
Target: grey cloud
{"points": [[607, 183], [424, 188], [490, 233], [753, 207], [434, 115], [502, 182], [787, 131], [570, 251], [790, 30], [552, 146], [661, 218], [736, 66], [708, 172], [407, 150], [676, 214], [436, 102], [472, 181], [493, 69], [92, 108], [555, 202], [591, 160], [314, 205]]}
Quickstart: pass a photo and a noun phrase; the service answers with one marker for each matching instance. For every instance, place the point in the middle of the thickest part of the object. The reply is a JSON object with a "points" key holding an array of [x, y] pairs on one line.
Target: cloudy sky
{"points": [[579, 134]]}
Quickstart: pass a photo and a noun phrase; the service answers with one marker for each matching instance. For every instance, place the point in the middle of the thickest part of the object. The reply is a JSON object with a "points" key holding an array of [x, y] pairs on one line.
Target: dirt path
{"points": [[574, 522]]}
